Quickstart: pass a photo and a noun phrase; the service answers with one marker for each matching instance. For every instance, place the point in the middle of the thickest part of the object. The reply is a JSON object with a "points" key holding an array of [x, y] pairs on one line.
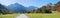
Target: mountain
{"points": [[31, 8], [16, 7], [3, 9], [19, 8]]}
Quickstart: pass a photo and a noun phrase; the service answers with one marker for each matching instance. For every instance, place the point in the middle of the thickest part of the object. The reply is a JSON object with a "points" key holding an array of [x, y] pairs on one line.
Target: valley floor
{"points": [[32, 15]]}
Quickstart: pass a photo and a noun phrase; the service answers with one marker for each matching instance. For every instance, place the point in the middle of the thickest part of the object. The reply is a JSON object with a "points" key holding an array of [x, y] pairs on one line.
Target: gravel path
{"points": [[22, 16]]}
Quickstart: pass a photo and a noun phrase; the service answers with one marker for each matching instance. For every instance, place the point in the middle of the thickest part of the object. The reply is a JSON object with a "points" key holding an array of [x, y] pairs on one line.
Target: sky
{"points": [[27, 3]]}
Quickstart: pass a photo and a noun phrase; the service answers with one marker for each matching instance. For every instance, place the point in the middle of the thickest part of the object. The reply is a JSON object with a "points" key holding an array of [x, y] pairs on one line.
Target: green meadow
{"points": [[32, 15], [8, 16], [43, 15]]}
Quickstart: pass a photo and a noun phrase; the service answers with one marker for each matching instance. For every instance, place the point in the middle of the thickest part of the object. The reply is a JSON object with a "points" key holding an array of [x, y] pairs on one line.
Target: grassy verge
{"points": [[43, 15], [32, 15], [8, 16]]}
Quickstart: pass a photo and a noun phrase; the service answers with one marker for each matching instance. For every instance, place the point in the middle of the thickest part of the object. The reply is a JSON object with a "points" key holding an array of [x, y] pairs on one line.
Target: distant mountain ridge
{"points": [[31, 8], [19, 8]]}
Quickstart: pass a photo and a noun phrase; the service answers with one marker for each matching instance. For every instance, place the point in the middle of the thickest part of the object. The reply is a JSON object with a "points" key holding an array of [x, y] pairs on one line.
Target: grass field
{"points": [[8, 16], [33, 15], [43, 15]]}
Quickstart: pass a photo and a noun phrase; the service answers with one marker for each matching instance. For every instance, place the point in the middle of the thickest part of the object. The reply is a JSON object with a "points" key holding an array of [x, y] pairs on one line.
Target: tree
{"points": [[48, 8], [57, 6], [39, 10], [43, 8], [10, 12], [3, 10]]}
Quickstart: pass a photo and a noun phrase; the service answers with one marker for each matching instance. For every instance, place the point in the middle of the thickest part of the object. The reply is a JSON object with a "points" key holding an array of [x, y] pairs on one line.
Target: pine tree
{"points": [[57, 6], [3, 10]]}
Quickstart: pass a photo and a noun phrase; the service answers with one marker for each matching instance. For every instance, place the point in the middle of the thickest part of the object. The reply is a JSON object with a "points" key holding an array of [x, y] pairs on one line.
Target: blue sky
{"points": [[26, 3]]}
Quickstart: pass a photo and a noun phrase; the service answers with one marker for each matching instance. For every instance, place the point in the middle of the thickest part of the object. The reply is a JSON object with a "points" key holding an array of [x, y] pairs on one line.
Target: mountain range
{"points": [[16, 7]]}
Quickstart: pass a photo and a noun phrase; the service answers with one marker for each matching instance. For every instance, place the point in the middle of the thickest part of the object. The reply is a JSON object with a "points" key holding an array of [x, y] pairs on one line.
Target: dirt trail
{"points": [[22, 16]]}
